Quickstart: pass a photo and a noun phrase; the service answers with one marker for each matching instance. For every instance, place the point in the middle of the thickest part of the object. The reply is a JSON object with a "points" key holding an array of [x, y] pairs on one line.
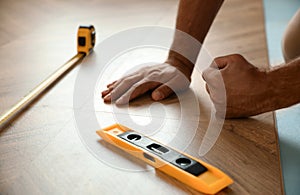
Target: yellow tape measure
{"points": [[86, 39], [185, 168], [85, 44]]}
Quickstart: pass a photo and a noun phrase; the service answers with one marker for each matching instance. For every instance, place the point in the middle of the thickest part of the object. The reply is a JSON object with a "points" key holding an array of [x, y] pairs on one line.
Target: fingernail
{"points": [[107, 98], [104, 93], [156, 95]]}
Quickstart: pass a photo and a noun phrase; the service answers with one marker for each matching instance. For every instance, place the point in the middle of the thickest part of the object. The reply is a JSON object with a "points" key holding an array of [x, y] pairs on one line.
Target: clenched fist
{"points": [[247, 88]]}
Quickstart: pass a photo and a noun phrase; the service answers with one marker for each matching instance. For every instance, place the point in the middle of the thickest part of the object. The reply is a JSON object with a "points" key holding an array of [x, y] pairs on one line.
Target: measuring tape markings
{"points": [[85, 43]]}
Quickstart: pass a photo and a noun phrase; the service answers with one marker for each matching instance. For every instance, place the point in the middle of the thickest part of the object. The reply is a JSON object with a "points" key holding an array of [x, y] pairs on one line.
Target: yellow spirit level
{"points": [[85, 44], [185, 168]]}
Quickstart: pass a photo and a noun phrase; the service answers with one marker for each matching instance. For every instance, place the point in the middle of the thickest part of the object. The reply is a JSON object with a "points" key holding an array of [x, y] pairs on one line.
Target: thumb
{"points": [[220, 62], [161, 92]]}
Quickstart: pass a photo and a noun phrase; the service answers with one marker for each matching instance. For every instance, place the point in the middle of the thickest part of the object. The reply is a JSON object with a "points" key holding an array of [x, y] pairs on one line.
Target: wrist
{"points": [[271, 94], [181, 63], [265, 98], [285, 86], [262, 95]]}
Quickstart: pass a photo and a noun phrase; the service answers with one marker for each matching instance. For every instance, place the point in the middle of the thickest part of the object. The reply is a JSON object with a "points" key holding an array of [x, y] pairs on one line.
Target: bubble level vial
{"points": [[191, 171]]}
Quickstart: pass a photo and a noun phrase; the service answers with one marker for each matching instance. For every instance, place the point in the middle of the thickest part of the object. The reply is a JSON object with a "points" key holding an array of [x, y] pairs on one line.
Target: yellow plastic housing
{"points": [[210, 182], [86, 39]]}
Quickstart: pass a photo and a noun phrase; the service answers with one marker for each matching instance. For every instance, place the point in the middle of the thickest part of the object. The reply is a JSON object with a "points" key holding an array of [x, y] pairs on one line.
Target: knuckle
{"points": [[127, 80], [236, 57], [154, 75], [139, 85], [204, 74], [166, 90], [218, 60], [136, 85], [208, 74]]}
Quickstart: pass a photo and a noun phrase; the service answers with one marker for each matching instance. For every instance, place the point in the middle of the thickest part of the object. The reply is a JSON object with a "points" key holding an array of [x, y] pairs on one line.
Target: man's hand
{"points": [[161, 79], [247, 87]]}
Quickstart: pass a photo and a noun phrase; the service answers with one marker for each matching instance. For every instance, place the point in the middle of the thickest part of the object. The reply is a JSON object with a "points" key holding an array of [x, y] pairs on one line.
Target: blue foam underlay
{"points": [[277, 15]]}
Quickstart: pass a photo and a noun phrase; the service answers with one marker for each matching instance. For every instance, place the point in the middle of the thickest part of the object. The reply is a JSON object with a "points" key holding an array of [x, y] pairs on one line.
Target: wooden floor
{"points": [[42, 152]]}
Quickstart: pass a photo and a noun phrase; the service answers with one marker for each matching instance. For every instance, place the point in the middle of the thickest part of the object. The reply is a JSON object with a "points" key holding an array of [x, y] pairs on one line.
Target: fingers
{"points": [[205, 74], [212, 77], [176, 84], [107, 98], [161, 93], [125, 85], [111, 84], [117, 88], [219, 62], [136, 90], [145, 79], [207, 88], [107, 91], [222, 61]]}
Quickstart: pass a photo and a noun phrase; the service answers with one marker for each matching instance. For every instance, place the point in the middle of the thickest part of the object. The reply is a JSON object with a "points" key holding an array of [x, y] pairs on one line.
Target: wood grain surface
{"points": [[43, 152]]}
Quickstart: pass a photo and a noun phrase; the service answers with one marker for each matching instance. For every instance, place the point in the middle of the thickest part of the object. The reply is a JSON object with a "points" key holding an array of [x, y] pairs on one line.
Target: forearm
{"points": [[194, 18], [285, 84]]}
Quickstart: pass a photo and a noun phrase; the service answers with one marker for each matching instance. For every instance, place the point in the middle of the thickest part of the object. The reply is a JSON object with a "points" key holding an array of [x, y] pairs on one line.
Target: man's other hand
{"points": [[247, 87]]}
